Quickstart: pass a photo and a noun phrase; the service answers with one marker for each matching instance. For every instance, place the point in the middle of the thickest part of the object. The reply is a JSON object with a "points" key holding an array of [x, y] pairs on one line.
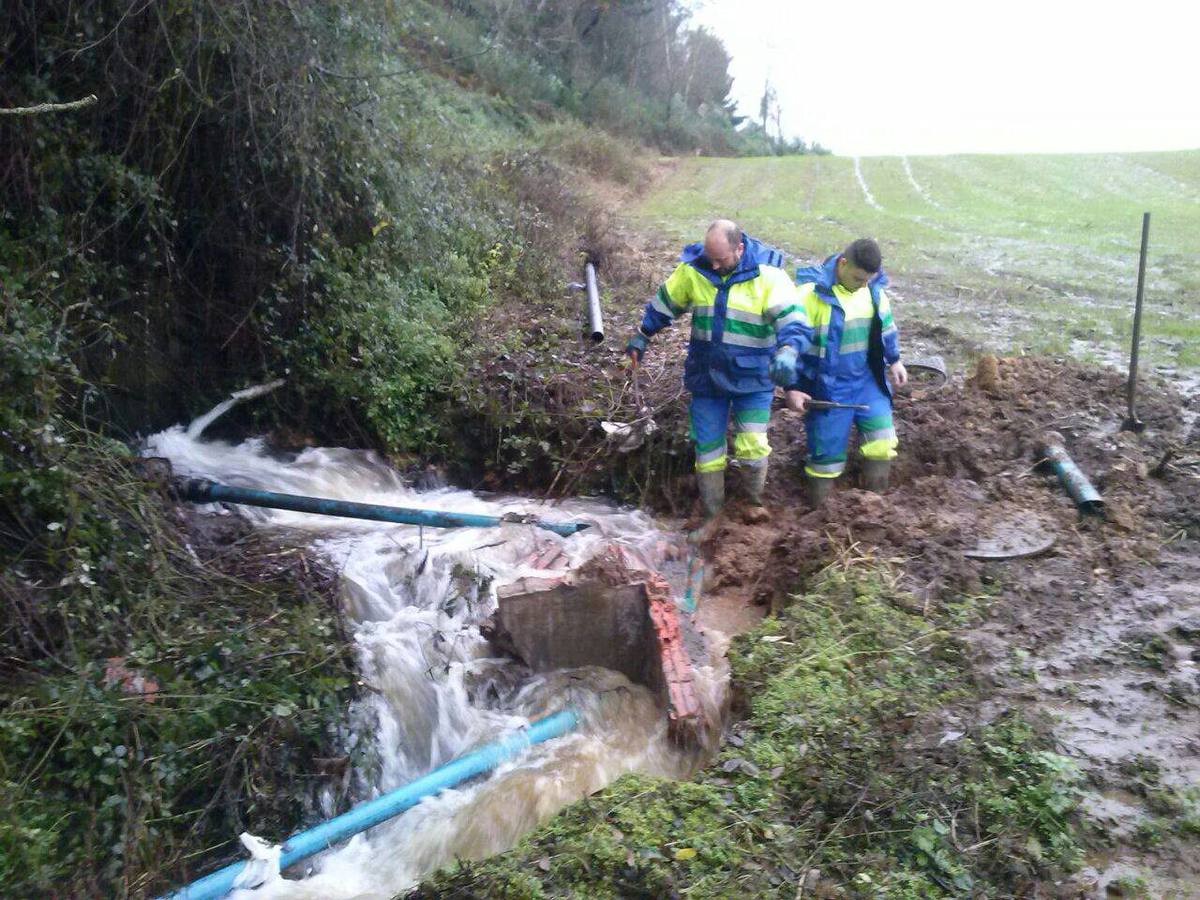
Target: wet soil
{"points": [[1053, 630], [1101, 631]]}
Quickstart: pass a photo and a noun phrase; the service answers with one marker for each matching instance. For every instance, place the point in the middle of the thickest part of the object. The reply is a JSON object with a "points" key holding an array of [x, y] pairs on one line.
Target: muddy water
{"points": [[1127, 680], [432, 688], [1121, 684]]}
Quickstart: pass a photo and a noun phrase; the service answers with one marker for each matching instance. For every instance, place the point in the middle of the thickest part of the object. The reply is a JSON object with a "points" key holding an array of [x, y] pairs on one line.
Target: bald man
{"points": [[743, 307]]}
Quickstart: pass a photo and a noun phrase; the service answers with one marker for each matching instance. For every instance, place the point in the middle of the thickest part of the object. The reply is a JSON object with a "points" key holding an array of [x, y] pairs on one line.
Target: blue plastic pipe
{"points": [[306, 843], [199, 490]]}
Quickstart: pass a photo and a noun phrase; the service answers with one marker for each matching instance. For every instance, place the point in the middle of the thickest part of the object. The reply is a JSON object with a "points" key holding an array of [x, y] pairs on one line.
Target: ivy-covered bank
{"points": [[359, 198], [841, 779], [162, 689]]}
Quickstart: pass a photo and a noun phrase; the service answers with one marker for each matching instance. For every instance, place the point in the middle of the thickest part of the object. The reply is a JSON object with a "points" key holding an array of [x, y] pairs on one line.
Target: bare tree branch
{"points": [[49, 107]]}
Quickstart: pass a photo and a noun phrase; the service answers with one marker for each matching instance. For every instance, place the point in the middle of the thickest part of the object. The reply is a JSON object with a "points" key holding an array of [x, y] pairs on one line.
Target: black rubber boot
{"points": [[754, 480], [712, 491], [818, 490], [875, 474], [712, 499]]}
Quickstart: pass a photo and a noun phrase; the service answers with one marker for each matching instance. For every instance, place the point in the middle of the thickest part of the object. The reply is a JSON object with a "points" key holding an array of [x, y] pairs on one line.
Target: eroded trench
{"points": [[1065, 633], [463, 635]]}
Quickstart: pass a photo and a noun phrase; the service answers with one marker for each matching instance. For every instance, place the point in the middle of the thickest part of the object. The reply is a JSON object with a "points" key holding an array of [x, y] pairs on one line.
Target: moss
{"points": [[840, 764]]}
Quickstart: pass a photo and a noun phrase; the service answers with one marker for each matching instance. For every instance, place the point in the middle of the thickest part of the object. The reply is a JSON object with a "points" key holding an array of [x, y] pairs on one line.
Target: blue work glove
{"points": [[783, 367], [637, 347]]}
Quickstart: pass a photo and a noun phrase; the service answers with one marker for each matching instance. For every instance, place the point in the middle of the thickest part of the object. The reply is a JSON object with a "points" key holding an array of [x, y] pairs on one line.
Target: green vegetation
{"points": [[1037, 253], [155, 700], [156, 697], [840, 764], [380, 200], [1148, 649], [1173, 810], [359, 197]]}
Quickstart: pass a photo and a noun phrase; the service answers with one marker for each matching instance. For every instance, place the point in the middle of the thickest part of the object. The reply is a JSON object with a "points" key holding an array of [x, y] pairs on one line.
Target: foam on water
{"points": [[432, 687]]}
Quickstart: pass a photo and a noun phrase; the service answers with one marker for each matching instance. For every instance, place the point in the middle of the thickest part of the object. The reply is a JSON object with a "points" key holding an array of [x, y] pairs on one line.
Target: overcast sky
{"points": [[916, 76]]}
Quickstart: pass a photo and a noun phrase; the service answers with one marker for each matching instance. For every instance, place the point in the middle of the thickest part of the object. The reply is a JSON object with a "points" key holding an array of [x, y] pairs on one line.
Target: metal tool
{"points": [[695, 580], [829, 404], [631, 435], [826, 404]]}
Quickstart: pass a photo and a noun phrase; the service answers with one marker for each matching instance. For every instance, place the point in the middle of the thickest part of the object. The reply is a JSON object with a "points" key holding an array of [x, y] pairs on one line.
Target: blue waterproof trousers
{"points": [[827, 431], [709, 419]]}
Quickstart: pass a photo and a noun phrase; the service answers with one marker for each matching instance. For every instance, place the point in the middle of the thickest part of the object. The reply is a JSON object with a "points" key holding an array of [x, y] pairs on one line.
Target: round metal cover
{"points": [[1016, 538], [926, 373]]}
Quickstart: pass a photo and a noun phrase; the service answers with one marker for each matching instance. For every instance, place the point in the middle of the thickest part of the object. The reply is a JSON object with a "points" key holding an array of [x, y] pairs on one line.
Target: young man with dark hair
{"points": [[743, 306], [851, 356]]}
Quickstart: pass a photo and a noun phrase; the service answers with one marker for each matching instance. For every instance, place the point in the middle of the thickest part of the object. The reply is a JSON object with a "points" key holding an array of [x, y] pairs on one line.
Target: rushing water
{"points": [[432, 687]]}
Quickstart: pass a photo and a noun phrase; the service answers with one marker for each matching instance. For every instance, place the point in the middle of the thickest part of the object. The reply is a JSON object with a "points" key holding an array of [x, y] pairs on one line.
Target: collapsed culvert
{"points": [[616, 619], [589, 622]]}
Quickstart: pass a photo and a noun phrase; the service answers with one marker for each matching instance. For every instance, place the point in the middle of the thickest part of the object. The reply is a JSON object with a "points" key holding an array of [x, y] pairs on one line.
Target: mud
{"points": [[1067, 631], [1101, 631]]}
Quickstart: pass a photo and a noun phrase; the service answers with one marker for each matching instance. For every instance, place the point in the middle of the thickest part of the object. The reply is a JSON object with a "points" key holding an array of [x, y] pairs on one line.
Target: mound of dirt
{"points": [[1096, 630], [968, 467]]}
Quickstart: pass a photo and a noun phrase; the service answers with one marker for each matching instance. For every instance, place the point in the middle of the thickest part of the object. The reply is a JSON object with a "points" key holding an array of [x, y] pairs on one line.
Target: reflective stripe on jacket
{"points": [[736, 319]]}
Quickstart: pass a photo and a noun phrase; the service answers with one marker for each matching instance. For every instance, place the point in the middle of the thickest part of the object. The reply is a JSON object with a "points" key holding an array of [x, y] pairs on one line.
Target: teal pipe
{"points": [[323, 836], [199, 490], [1070, 476]]}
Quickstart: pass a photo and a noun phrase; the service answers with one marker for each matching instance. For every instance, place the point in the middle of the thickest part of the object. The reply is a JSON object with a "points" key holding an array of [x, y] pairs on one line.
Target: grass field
{"points": [[1032, 253]]}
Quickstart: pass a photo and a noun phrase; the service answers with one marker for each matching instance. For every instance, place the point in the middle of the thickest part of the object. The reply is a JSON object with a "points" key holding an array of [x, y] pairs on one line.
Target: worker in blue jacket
{"points": [[851, 355], [743, 306]]}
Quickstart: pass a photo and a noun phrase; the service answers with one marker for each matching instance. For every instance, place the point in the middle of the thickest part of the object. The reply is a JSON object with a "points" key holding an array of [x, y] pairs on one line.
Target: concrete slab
{"points": [[632, 627]]}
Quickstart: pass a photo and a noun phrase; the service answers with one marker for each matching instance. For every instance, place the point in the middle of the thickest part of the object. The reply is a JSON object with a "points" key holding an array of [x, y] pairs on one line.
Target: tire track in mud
{"points": [[862, 183], [912, 179]]}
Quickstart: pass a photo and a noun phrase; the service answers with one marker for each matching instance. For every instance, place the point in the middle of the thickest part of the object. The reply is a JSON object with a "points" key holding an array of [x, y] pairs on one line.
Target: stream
{"points": [[431, 686]]}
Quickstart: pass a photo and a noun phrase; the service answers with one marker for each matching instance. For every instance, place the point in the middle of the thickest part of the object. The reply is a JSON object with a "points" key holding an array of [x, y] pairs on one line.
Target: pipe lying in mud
{"points": [[1054, 455], [595, 321], [306, 843], [199, 490]]}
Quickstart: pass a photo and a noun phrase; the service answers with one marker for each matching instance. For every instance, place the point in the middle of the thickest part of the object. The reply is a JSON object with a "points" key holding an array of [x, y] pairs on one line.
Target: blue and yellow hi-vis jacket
{"points": [[737, 320], [851, 334]]}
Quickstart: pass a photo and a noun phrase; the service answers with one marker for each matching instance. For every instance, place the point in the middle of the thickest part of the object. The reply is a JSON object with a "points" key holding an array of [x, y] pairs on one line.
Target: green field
{"points": [[1033, 253]]}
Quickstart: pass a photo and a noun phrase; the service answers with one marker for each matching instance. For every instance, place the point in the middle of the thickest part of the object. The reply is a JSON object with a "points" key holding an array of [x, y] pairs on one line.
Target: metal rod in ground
{"points": [[199, 490], [1132, 422], [323, 836], [1070, 476], [595, 319]]}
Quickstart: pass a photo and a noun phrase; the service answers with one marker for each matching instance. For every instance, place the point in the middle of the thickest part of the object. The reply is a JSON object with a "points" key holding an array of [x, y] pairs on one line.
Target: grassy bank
{"points": [[336, 195], [843, 777], [162, 689]]}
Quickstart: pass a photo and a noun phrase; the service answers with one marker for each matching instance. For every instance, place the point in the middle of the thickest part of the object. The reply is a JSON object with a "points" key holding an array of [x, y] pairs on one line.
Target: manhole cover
{"points": [[1013, 539]]}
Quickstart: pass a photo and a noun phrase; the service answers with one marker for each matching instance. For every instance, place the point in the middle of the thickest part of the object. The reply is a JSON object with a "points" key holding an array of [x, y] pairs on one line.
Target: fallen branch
{"points": [[49, 107]]}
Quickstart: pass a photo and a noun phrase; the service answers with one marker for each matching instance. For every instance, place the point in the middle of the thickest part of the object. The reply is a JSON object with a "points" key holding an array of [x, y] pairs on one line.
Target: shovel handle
{"points": [[828, 404]]}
